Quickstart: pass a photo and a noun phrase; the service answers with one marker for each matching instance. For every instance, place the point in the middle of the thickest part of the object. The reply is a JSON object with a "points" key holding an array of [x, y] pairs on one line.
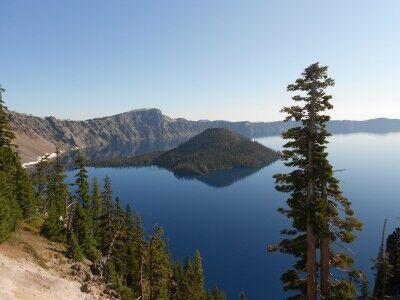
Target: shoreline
{"points": [[50, 156]]}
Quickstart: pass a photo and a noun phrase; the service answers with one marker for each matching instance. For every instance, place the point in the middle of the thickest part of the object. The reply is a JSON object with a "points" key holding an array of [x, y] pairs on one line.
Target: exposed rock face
{"points": [[36, 136]]}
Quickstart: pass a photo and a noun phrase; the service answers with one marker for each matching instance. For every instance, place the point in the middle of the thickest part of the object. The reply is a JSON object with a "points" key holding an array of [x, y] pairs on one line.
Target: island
{"points": [[211, 150]]}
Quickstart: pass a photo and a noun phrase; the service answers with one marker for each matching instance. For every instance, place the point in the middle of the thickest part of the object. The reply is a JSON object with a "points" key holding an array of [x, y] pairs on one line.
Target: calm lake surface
{"points": [[231, 217]]}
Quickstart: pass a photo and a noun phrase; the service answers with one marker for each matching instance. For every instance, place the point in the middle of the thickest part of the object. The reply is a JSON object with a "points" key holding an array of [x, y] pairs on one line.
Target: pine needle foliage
{"points": [[17, 198], [321, 217]]}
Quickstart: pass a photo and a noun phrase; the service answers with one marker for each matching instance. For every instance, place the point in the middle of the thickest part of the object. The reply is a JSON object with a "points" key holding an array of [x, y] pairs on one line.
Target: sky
{"points": [[208, 59]]}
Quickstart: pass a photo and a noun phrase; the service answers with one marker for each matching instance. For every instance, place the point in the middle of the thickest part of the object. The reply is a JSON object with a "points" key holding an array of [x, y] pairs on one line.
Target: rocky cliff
{"points": [[35, 136]]}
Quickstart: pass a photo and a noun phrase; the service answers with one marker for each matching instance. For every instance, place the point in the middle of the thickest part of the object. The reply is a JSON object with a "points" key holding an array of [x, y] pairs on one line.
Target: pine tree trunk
{"points": [[109, 252], [142, 279], [311, 241], [311, 263], [151, 281], [325, 287], [324, 252]]}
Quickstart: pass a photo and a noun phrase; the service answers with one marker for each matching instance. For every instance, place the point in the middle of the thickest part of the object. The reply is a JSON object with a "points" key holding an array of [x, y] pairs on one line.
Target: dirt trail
{"points": [[32, 268]]}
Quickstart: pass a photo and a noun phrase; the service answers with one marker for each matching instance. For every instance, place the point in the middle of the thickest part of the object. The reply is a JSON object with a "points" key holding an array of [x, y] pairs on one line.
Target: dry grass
{"points": [[38, 258]]}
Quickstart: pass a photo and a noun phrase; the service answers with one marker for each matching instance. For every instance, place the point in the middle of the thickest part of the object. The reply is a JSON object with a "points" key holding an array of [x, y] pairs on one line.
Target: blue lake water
{"points": [[232, 217]]}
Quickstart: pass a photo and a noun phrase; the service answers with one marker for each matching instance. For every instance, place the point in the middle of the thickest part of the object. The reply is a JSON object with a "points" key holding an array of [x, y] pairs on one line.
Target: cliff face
{"points": [[133, 125], [35, 136]]}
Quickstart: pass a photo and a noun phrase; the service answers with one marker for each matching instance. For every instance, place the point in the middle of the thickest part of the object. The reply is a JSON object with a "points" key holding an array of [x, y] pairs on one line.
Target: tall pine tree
{"points": [[96, 210], [107, 227], [83, 221], [158, 266], [198, 276], [6, 134], [16, 192], [315, 199], [55, 224]]}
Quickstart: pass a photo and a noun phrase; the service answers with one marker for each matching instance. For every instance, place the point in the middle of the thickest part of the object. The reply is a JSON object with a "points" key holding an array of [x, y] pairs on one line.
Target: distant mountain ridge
{"points": [[36, 136]]}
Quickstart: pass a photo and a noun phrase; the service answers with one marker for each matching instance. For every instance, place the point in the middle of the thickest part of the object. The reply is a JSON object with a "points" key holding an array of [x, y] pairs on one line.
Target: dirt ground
{"points": [[33, 268]]}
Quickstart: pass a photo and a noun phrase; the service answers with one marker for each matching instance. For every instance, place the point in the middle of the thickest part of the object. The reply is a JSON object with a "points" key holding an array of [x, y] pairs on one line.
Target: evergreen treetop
{"points": [[315, 200]]}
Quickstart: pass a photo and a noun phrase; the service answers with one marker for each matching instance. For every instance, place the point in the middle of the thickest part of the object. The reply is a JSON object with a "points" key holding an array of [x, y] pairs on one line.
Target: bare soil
{"points": [[33, 268]]}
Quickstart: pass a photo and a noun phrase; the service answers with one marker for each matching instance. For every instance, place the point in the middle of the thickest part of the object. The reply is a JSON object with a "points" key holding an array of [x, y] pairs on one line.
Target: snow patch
{"points": [[39, 158]]}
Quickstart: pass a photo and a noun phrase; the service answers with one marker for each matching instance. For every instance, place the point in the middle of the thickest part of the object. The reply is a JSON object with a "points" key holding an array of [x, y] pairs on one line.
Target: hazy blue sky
{"points": [[196, 59]]}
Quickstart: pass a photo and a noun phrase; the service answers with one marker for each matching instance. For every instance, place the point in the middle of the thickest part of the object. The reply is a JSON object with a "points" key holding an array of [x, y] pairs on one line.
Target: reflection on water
{"points": [[218, 179], [122, 149], [232, 225], [222, 178]]}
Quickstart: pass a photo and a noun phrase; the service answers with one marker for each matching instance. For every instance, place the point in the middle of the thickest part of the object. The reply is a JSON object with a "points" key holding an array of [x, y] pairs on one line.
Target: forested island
{"points": [[213, 149]]}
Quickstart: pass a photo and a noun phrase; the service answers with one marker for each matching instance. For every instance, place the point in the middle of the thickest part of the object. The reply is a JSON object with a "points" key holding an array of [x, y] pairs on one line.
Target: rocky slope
{"points": [[33, 268], [36, 136]]}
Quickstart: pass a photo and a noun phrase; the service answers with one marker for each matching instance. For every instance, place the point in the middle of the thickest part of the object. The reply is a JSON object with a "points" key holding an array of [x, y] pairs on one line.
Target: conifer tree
{"points": [[40, 181], [10, 210], [188, 282], [54, 226], [315, 197], [137, 247], [83, 230], [123, 253], [83, 225], [81, 181], [25, 194], [188, 279], [106, 219], [15, 188], [6, 134], [18, 200], [158, 266], [5, 217], [216, 294], [96, 210], [11, 184], [177, 282], [198, 276], [387, 267], [120, 244], [74, 250], [111, 274]]}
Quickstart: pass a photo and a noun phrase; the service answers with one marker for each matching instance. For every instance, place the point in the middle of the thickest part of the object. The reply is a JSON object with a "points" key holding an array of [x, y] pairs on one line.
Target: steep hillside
{"points": [[33, 268], [36, 136]]}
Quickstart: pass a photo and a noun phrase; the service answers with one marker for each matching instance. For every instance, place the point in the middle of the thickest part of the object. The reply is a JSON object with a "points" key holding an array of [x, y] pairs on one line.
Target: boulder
{"points": [[85, 288], [88, 277], [96, 269]]}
